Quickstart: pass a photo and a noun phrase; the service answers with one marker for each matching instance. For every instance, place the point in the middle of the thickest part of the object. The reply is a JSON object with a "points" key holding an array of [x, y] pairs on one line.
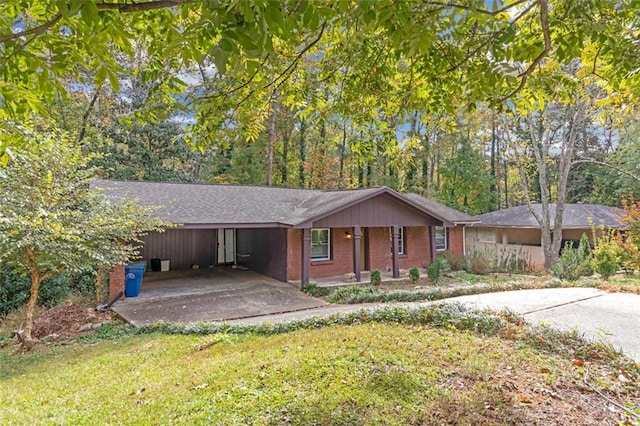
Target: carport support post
{"points": [[306, 256], [356, 252], [432, 244], [395, 235]]}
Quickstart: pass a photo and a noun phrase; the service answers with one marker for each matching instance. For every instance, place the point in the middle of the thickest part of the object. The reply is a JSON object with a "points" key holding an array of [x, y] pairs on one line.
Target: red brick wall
{"points": [[417, 253], [294, 246], [116, 281], [456, 238]]}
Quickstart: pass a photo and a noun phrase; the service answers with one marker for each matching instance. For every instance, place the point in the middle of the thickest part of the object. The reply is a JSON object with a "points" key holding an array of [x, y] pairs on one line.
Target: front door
{"points": [[364, 250], [226, 246]]}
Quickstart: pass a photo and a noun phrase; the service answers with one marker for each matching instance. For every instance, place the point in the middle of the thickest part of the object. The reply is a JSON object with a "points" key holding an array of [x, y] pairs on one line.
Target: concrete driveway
{"points": [[216, 294], [611, 317]]}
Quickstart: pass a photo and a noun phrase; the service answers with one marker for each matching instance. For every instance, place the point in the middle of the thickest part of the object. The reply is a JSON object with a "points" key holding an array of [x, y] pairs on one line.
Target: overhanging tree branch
{"points": [[546, 34], [283, 75], [141, 7], [611, 166], [473, 9], [32, 31]]}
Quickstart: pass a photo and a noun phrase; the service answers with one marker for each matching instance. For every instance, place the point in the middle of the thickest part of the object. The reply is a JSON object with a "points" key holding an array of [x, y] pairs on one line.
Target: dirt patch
{"points": [[527, 397], [66, 320]]}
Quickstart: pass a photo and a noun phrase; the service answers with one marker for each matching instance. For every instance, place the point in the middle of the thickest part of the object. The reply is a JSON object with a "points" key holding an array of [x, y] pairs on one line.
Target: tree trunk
{"points": [[27, 339], [272, 142], [343, 150], [302, 153], [494, 154], [99, 274]]}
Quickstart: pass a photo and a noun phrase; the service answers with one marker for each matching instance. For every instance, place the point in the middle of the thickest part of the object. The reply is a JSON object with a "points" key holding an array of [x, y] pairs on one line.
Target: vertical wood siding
{"points": [[182, 247], [378, 211], [265, 250]]}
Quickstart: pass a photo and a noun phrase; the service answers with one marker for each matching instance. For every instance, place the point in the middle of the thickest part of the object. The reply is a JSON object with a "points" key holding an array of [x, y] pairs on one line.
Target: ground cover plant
{"points": [[395, 366], [458, 284]]}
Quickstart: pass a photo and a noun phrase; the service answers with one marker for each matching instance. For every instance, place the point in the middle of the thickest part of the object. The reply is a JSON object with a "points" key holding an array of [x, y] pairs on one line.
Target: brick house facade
{"points": [[275, 231]]}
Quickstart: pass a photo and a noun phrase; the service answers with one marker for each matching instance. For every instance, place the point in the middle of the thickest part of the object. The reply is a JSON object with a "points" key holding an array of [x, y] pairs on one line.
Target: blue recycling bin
{"points": [[133, 279]]}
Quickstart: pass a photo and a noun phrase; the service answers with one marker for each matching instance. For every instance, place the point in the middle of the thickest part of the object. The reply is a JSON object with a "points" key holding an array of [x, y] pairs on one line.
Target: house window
{"points": [[486, 235], [320, 244], [441, 238], [401, 240]]}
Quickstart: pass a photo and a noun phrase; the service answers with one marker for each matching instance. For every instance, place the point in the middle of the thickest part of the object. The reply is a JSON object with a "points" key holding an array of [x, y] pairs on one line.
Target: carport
{"points": [[201, 246], [212, 294]]}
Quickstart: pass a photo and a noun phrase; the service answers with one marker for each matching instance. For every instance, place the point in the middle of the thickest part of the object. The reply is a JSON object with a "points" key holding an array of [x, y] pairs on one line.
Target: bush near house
{"points": [[574, 262], [414, 274], [437, 268]]}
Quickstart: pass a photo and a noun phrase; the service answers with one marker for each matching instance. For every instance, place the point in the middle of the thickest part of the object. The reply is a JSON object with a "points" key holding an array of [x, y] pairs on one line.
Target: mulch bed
{"points": [[65, 320]]}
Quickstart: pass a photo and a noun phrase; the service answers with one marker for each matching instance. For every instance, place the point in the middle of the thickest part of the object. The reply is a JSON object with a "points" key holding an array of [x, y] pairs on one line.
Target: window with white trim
{"points": [[321, 244], [441, 238], [401, 240]]}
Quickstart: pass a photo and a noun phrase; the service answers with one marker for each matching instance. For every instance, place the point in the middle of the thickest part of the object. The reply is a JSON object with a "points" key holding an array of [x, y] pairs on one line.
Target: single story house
{"points": [[515, 232], [293, 234]]}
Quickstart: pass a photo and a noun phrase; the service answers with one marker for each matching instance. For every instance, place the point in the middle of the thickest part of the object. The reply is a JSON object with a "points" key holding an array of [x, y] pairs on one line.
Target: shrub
{"points": [[609, 254], [456, 262], [478, 262], [315, 291], [376, 277], [605, 261], [352, 294], [414, 274], [15, 287], [436, 268], [574, 262], [568, 266], [14, 291], [512, 261]]}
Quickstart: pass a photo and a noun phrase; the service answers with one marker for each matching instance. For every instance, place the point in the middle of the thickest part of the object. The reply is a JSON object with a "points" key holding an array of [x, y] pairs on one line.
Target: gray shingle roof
{"points": [[575, 216], [440, 210], [200, 204]]}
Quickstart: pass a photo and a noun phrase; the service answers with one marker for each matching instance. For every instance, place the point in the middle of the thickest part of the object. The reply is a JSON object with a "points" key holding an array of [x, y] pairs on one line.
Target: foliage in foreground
{"points": [[52, 222], [385, 367]]}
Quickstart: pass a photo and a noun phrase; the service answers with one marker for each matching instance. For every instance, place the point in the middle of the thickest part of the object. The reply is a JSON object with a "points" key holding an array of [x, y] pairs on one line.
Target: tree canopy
{"points": [[52, 222], [438, 55]]}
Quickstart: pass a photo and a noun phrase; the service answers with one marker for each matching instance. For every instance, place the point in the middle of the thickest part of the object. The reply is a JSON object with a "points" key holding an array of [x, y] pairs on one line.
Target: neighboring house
{"points": [[514, 233], [294, 234]]}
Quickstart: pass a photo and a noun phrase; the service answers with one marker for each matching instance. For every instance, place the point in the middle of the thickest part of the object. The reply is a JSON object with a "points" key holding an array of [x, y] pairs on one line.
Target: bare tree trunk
{"points": [[302, 153], [541, 137], [272, 141], [99, 274], [27, 341], [343, 150]]}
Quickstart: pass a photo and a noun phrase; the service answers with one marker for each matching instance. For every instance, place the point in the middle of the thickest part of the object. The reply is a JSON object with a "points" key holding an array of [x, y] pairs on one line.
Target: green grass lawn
{"points": [[370, 373]]}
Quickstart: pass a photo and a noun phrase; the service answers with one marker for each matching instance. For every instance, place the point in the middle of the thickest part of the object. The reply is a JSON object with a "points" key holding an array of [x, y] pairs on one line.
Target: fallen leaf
{"points": [[202, 386], [577, 362], [138, 392], [545, 370], [526, 400], [622, 378]]}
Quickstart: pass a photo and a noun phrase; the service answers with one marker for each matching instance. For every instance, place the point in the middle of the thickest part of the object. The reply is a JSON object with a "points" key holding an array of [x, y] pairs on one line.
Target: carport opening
{"points": [[210, 251]]}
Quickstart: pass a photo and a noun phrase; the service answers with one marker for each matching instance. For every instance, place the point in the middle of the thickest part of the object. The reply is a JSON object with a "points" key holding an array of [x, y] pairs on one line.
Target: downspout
{"points": [[464, 240]]}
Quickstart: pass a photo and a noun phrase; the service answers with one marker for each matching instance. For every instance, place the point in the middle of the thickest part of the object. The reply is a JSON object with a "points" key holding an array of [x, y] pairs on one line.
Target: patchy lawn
{"points": [[379, 372], [617, 283]]}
